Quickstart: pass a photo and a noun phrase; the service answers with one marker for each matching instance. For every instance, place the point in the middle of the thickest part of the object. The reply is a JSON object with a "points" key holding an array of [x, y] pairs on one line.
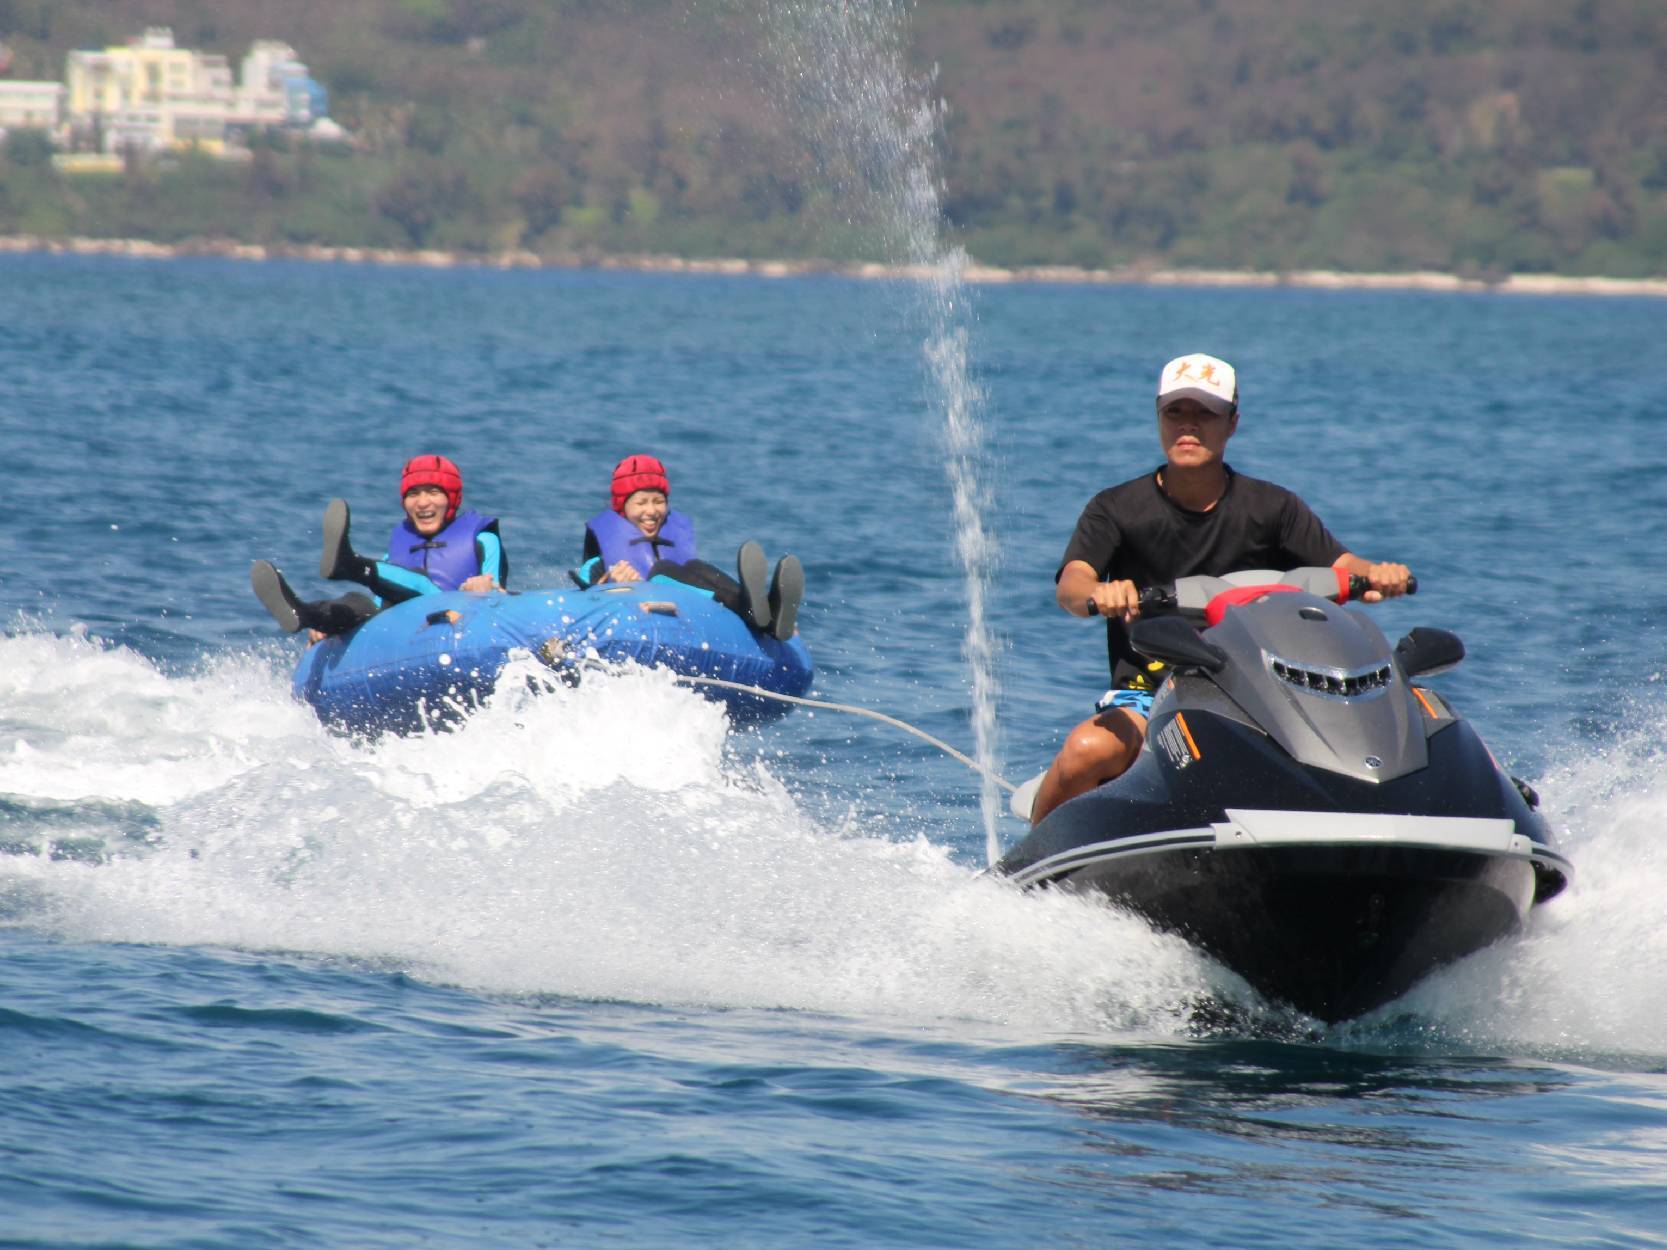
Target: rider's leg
{"points": [[1095, 751]]}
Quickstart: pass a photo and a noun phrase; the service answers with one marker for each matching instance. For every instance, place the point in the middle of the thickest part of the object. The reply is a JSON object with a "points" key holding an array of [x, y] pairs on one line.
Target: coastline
{"points": [[973, 272]]}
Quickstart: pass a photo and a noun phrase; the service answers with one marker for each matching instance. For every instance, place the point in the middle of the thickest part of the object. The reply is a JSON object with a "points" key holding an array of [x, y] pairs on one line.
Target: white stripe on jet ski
{"points": [[1081, 856], [1246, 828], [1481, 835]]}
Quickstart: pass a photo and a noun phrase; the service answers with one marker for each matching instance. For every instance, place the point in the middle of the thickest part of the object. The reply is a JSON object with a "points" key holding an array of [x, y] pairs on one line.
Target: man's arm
{"points": [[1305, 538], [1079, 585], [1094, 542]]}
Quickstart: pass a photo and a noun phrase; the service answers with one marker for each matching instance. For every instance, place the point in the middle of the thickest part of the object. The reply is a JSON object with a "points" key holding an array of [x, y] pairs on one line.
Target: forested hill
{"points": [[1467, 135]]}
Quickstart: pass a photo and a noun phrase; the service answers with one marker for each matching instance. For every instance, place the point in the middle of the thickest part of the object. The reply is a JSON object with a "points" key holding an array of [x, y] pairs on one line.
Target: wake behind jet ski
{"points": [[1300, 809]]}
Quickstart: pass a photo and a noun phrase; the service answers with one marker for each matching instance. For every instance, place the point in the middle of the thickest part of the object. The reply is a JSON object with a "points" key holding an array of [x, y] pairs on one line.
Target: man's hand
{"points": [[1119, 599], [1081, 593], [1388, 580], [480, 583]]}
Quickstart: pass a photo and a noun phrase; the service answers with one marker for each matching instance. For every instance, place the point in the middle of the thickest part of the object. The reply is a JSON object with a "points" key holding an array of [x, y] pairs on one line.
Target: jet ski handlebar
{"points": [[1194, 594], [1358, 586]]}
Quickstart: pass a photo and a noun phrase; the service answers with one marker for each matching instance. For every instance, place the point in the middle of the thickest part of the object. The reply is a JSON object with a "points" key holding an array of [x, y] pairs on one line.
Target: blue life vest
{"points": [[449, 558], [617, 539]]}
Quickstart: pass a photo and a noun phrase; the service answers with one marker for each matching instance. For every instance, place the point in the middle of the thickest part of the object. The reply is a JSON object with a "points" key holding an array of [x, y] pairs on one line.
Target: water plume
{"points": [[871, 128]]}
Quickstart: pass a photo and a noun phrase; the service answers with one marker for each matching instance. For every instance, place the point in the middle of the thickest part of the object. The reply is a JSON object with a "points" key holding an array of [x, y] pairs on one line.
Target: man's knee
{"points": [[1101, 748]]}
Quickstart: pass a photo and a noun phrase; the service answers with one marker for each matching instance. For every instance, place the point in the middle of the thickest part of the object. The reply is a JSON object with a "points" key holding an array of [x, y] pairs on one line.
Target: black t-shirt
{"points": [[1138, 533]]}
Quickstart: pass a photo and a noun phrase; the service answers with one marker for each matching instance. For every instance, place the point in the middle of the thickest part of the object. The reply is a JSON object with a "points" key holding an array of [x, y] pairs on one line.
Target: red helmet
{"points": [[433, 471], [636, 473]]}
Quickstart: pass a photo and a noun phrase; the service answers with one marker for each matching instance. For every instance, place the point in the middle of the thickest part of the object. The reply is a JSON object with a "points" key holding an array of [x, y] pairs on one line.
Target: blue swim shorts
{"points": [[1137, 701]]}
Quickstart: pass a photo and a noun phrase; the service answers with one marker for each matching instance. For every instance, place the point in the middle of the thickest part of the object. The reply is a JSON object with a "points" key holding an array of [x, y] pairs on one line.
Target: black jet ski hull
{"points": [[1334, 931], [1329, 893]]}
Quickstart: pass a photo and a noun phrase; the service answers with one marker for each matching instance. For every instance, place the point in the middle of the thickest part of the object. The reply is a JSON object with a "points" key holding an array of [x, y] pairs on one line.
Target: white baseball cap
{"points": [[1210, 381]]}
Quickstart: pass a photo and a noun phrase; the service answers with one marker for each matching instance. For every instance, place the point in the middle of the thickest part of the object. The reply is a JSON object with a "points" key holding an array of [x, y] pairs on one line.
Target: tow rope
{"points": [[851, 710]]}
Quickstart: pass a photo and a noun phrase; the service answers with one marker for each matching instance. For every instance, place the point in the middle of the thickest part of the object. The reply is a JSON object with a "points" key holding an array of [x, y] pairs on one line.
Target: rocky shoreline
{"points": [[1325, 279]]}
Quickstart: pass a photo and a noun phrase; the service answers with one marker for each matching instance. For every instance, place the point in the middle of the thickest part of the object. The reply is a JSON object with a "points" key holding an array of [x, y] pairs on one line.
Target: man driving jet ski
{"points": [[1192, 515]]}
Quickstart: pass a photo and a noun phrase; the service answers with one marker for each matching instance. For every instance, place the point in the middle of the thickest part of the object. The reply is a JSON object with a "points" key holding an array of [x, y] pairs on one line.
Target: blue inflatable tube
{"points": [[430, 659]]}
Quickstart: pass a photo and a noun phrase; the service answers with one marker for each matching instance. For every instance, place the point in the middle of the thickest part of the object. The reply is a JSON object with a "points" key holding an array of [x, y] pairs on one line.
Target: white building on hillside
{"points": [[276, 90], [151, 96], [148, 96], [31, 106], [266, 67]]}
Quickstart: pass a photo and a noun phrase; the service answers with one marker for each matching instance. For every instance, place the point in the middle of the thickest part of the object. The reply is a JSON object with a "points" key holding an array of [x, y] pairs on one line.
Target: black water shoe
{"points": [[274, 592], [787, 587], [750, 568], [338, 561]]}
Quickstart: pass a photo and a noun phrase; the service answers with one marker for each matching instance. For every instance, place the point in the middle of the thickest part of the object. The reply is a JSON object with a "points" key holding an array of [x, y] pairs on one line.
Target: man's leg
{"points": [[1095, 751]]}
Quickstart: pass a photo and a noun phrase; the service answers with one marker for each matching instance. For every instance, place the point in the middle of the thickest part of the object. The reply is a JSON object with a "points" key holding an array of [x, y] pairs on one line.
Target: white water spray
{"points": [[597, 842], [603, 842], [871, 129]]}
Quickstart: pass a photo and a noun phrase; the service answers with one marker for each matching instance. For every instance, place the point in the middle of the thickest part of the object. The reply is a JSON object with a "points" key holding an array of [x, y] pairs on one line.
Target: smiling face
{"points": [[425, 508], [1193, 436], [646, 509]]}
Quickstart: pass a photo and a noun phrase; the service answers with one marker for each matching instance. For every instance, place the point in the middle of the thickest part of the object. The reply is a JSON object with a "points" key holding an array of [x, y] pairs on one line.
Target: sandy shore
{"points": [[1515, 284]]}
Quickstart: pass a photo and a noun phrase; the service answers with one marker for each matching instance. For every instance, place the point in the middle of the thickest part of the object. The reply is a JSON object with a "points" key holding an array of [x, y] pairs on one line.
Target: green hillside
{"points": [[1462, 135]]}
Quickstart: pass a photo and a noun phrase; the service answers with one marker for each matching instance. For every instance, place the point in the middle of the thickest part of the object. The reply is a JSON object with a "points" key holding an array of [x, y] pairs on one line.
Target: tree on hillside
{"points": [[542, 193], [419, 197]]}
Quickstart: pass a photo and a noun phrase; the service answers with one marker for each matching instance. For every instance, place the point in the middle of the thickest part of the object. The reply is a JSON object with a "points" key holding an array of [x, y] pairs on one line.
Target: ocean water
{"points": [[599, 970]]}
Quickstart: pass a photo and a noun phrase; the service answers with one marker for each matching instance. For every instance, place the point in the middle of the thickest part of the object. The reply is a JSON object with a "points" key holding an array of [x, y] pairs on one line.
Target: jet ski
{"points": [[1302, 810]]}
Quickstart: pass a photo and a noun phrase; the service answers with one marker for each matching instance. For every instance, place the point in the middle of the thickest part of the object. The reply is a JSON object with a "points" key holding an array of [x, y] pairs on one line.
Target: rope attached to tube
{"points": [[852, 710]]}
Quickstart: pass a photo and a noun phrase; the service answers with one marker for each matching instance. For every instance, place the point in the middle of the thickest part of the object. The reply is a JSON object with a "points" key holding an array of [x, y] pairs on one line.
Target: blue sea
{"points": [[599, 969]]}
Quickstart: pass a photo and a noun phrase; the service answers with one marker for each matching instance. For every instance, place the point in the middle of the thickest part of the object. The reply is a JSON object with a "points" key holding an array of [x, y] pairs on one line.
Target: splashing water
{"points": [[602, 842], [1589, 976], [871, 129], [609, 842]]}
